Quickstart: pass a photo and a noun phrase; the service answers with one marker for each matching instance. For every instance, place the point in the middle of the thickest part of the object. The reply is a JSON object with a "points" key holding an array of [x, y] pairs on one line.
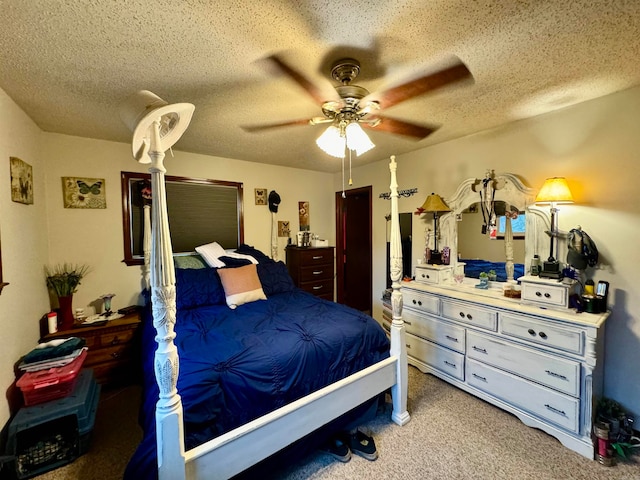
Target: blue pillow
{"points": [[197, 287], [231, 262], [275, 278], [254, 252]]}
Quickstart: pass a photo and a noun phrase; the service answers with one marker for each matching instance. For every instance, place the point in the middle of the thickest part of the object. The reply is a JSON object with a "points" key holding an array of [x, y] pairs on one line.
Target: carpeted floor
{"points": [[451, 435]]}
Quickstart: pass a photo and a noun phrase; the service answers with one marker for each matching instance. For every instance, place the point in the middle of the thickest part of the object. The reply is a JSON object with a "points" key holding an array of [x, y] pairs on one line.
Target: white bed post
{"points": [[169, 425], [400, 414]]}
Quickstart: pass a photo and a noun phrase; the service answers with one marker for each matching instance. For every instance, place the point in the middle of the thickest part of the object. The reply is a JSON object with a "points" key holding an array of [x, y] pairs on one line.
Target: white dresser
{"points": [[543, 365]]}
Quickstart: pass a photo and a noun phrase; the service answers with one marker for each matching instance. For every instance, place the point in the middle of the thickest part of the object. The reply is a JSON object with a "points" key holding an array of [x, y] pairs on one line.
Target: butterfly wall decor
{"points": [[82, 192], [21, 181]]}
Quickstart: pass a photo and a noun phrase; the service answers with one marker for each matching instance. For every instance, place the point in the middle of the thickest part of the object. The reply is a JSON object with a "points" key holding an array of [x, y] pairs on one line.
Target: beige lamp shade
{"points": [[554, 190], [434, 203], [139, 112]]}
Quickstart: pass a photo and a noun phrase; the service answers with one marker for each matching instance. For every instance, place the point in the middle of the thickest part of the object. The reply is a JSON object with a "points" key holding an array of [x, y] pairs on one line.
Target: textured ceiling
{"points": [[69, 64]]}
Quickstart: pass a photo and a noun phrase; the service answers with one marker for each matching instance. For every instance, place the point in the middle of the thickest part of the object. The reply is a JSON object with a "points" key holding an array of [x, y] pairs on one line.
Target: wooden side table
{"points": [[113, 349]]}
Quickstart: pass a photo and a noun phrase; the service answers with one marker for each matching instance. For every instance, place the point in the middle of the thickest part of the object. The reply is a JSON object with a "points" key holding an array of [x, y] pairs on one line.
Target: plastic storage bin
{"points": [[45, 385], [52, 434]]}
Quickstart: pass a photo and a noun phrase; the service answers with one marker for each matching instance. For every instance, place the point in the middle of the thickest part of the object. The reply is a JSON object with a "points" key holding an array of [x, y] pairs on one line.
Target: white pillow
{"points": [[233, 254], [211, 252]]}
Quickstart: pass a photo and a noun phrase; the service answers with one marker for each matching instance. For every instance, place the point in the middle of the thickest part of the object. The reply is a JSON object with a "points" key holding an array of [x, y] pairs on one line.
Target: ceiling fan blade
{"points": [[454, 73], [400, 127], [259, 128], [320, 95]]}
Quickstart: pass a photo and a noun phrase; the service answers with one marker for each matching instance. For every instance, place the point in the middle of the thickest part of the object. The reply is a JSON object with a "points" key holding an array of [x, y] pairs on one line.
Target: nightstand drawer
{"points": [[470, 314], [316, 256], [319, 272], [322, 287]]}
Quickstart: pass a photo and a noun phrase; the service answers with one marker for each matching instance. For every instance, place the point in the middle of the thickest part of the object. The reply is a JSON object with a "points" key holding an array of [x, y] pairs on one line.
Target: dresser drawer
{"points": [[542, 402], [554, 372], [115, 338], [471, 314], [545, 294], [532, 330], [109, 354], [319, 288], [421, 301], [443, 333], [316, 256], [315, 273], [440, 358]]}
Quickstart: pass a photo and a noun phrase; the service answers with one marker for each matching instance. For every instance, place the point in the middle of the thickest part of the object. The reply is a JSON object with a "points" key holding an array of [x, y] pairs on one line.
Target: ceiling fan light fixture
{"points": [[357, 139], [331, 142]]}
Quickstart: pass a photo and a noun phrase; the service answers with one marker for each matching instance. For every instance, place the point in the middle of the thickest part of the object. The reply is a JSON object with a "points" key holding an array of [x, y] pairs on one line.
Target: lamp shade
{"points": [[139, 112], [434, 203], [357, 139], [554, 190], [331, 142]]}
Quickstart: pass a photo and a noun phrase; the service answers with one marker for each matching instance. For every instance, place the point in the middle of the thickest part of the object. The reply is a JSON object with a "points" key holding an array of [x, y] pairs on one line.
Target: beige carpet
{"points": [[451, 435]]}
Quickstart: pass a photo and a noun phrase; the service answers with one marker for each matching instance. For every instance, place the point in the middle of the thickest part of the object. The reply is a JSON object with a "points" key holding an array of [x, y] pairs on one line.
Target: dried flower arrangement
{"points": [[64, 278]]}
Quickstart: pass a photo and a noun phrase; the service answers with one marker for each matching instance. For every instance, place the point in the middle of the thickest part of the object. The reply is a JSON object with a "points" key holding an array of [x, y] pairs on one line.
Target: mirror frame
{"points": [[511, 190]]}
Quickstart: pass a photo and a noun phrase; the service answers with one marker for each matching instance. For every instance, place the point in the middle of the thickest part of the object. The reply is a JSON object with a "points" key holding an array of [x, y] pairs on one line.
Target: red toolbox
{"points": [[50, 384]]}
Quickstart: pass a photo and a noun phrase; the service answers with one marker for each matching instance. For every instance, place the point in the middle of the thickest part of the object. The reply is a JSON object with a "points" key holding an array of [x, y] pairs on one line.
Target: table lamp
{"points": [[434, 204], [554, 191]]}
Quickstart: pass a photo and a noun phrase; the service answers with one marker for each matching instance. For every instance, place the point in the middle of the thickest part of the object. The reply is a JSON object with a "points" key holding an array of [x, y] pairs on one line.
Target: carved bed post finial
{"points": [[400, 414]]}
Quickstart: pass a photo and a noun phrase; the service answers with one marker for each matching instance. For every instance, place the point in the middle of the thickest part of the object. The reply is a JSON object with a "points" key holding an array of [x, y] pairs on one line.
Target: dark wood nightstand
{"points": [[114, 349], [312, 269]]}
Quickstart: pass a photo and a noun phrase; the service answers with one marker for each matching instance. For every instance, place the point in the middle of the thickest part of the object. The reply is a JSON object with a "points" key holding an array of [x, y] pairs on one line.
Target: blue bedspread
{"points": [[237, 365]]}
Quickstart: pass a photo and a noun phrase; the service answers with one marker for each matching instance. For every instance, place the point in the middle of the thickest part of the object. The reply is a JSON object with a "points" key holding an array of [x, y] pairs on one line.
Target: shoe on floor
{"points": [[338, 449], [363, 445]]}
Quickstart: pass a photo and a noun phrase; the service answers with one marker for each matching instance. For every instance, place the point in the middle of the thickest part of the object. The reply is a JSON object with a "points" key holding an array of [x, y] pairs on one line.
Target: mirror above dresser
{"points": [[467, 229]]}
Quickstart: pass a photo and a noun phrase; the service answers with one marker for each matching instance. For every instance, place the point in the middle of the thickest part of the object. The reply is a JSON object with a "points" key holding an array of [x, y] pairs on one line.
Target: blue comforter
{"points": [[237, 365]]}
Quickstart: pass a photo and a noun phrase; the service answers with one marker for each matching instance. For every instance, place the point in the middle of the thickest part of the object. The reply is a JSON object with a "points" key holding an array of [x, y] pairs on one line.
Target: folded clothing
{"points": [[54, 349]]}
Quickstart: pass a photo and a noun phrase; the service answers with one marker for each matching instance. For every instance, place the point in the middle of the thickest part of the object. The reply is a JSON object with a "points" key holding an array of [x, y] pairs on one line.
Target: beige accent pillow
{"points": [[241, 285]]}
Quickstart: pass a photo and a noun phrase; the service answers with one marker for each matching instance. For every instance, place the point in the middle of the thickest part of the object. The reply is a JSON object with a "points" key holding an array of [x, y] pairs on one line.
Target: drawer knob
{"points": [[555, 410], [115, 354], [407, 322], [453, 339], [479, 349], [450, 364], [538, 294], [408, 346], [469, 316], [414, 302], [317, 287], [115, 341], [532, 332], [318, 257], [461, 314], [543, 335], [479, 377], [419, 303], [318, 272], [547, 295]]}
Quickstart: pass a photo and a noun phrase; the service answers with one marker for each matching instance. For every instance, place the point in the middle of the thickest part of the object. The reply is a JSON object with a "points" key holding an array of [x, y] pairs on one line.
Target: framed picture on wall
{"points": [[83, 192], [261, 196], [21, 181]]}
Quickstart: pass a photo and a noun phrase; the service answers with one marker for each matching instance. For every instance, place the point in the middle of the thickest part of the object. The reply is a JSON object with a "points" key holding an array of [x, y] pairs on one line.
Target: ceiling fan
{"points": [[352, 103]]}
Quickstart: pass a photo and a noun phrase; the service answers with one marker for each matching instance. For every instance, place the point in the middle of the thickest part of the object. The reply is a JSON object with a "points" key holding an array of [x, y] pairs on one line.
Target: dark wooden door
{"points": [[354, 249]]}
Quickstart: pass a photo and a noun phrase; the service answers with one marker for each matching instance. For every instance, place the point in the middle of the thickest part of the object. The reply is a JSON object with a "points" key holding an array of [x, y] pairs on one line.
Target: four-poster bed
{"points": [[371, 372]]}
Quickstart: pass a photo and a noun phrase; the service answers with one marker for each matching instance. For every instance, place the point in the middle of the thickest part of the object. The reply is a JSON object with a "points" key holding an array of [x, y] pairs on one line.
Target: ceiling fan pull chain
{"points": [[350, 180], [343, 194]]}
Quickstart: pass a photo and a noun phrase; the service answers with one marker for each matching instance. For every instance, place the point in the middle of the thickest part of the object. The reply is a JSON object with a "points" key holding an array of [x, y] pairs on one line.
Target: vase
{"points": [[65, 314]]}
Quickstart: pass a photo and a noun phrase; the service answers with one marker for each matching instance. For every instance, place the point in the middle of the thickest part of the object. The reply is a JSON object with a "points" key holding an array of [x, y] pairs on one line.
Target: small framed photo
{"points": [[261, 196], [283, 228], [21, 181], [83, 192]]}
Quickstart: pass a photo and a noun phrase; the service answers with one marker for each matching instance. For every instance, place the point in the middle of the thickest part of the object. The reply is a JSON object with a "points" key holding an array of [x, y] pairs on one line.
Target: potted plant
{"points": [[484, 280], [63, 280], [492, 276]]}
